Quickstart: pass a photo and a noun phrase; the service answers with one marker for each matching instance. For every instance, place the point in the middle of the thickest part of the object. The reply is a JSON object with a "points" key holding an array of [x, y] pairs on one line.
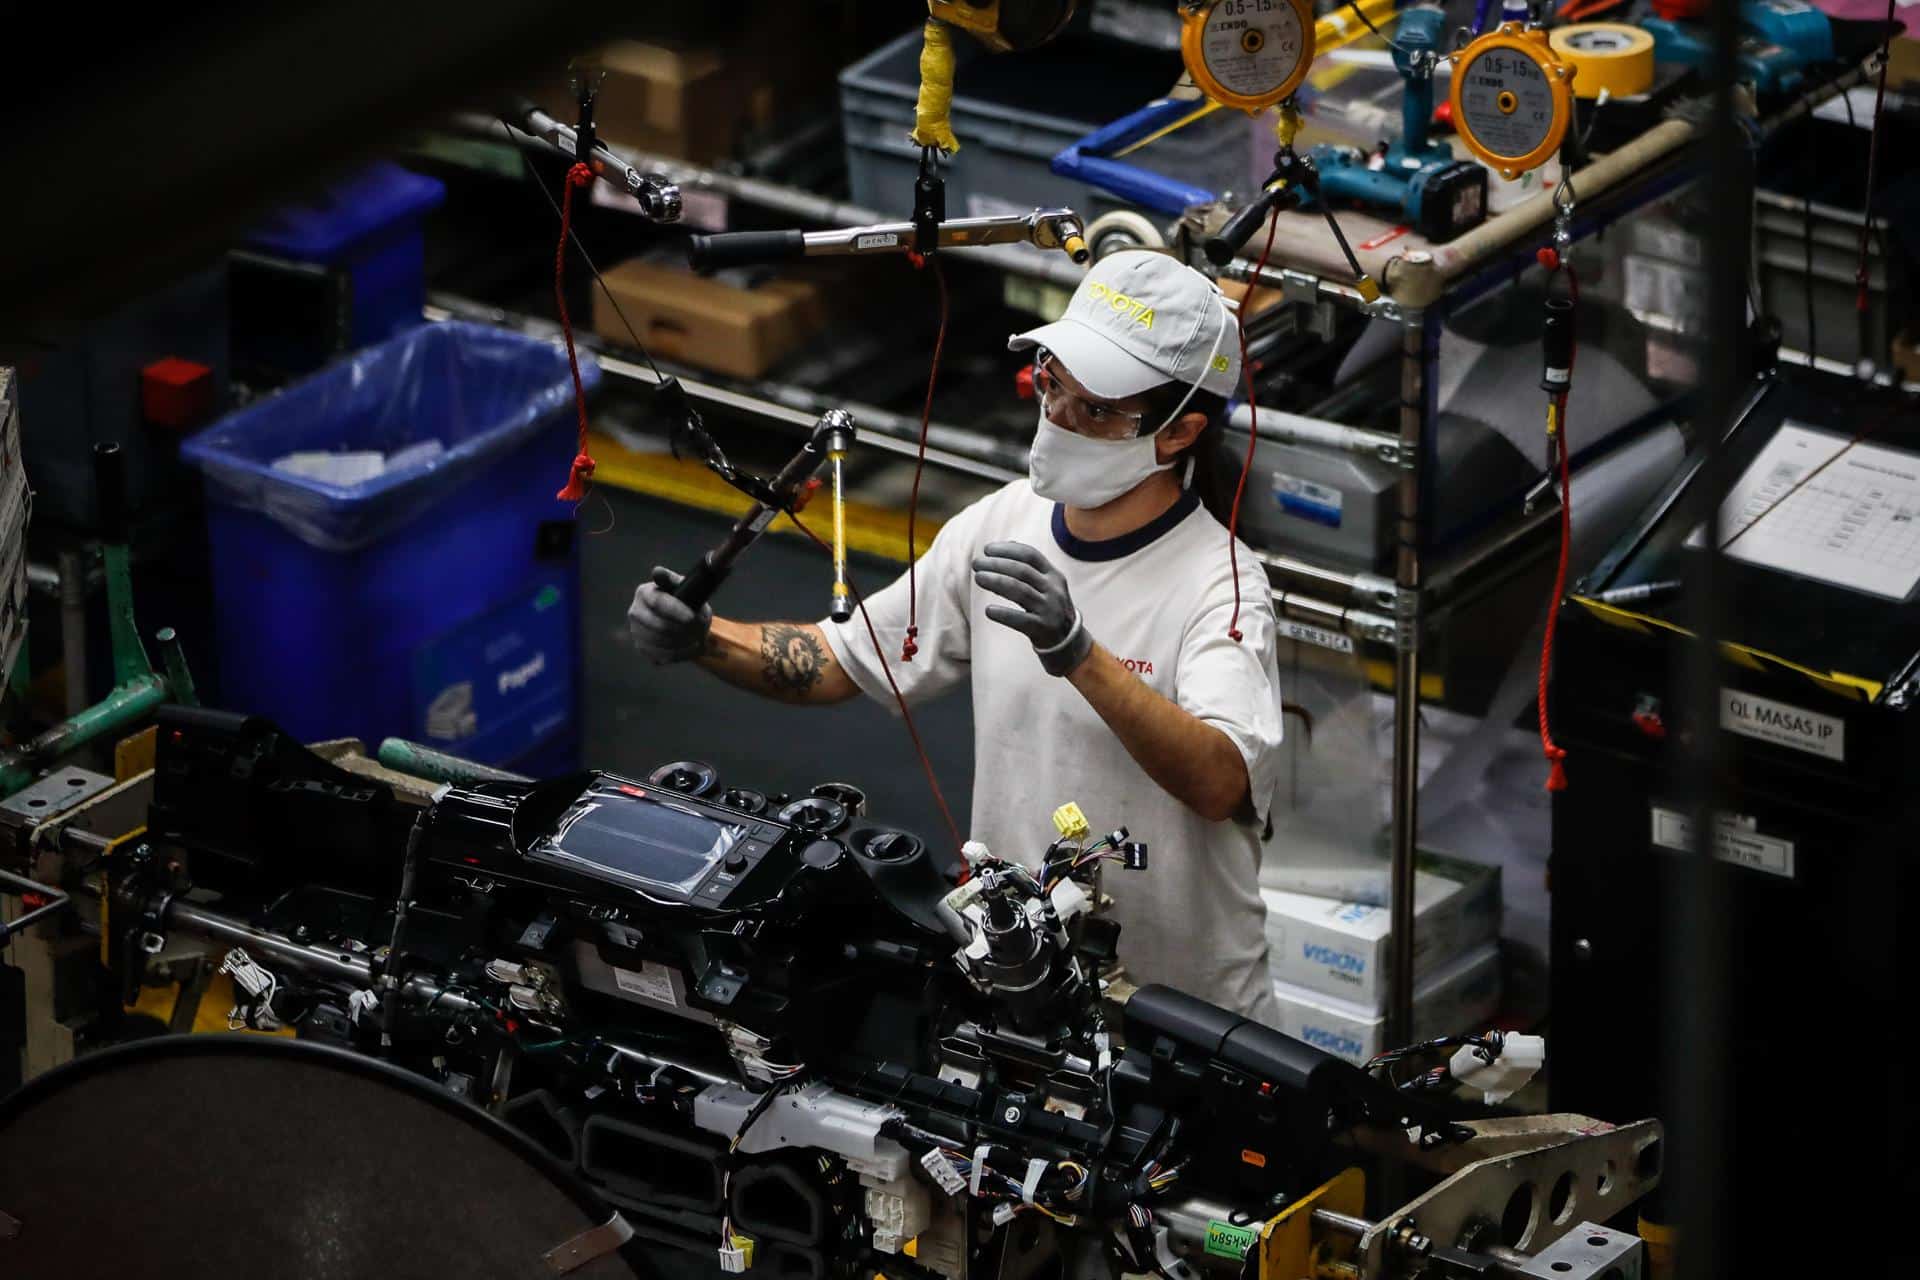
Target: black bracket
{"points": [[585, 88], [929, 202]]}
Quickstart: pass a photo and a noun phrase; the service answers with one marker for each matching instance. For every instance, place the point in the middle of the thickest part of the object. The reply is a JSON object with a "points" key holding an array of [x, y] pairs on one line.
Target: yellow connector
{"points": [[1070, 822], [1366, 288], [1286, 123]]}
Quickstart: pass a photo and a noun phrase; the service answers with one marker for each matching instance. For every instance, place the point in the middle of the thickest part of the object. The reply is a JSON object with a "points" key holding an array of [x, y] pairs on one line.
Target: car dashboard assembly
{"points": [[774, 1032]]}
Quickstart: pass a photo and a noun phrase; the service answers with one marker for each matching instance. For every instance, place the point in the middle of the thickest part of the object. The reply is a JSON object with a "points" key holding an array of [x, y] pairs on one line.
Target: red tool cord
{"points": [[1253, 431], [911, 645], [926, 761], [1556, 755], [576, 488]]}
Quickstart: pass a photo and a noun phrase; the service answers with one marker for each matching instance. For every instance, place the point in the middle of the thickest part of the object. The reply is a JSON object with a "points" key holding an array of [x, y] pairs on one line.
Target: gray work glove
{"points": [[663, 628], [1044, 611]]}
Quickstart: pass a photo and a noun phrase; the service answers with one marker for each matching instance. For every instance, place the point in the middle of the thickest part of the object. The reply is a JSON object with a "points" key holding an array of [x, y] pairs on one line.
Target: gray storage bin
{"points": [[1014, 112]]}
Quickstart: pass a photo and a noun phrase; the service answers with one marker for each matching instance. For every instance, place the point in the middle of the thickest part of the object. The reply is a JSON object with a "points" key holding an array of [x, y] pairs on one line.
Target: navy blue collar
{"points": [[1127, 543]]}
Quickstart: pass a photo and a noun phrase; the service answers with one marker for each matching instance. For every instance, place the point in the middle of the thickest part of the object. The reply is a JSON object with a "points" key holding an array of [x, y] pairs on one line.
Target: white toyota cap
{"points": [[1141, 319]]}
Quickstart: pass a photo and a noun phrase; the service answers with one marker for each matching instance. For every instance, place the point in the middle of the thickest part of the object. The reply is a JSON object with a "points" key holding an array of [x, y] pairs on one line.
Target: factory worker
{"points": [[1094, 606]]}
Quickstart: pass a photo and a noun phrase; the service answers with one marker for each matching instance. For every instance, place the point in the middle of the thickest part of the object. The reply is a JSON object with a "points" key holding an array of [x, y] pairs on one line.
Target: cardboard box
{"points": [[710, 322], [1903, 61], [1906, 357], [676, 100], [1460, 998], [1342, 948]]}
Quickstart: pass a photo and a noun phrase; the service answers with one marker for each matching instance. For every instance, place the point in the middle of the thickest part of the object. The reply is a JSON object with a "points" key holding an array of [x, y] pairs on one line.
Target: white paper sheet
{"points": [[1856, 524]]}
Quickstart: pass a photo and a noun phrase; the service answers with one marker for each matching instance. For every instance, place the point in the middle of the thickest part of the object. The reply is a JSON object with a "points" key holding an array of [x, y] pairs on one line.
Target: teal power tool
{"points": [[1779, 40], [1441, 197]]}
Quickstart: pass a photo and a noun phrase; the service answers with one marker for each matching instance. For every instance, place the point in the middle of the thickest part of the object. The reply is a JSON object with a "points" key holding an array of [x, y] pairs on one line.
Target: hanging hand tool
{"points": [[832, 433], [659, 198], [1557, 345], [838, 438], [1293, 184], [1047, 228]]}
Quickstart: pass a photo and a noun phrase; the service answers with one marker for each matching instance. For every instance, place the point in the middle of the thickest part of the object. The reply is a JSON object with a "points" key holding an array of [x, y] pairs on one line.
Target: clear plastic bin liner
{"points": [[477, 390]]}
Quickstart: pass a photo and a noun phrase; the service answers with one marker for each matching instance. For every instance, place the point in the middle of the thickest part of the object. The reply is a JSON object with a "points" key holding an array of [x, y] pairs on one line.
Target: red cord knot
{"points": [[917, 258], [1557, 769], [910, 645], [577, 479], [807, 490], [580, 175], [1549, 258], [1233, 634]]}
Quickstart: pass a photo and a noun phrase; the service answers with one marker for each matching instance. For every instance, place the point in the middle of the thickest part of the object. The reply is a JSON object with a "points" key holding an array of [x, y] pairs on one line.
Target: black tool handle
{"points": [[1556, 346], [701, 582], [110, 491], [517, 112], [1241, 227], [745, 248]]}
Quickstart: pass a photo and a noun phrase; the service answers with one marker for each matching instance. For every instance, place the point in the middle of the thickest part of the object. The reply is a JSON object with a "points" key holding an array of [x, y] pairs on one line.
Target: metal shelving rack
{"points": [[1422, 285]]}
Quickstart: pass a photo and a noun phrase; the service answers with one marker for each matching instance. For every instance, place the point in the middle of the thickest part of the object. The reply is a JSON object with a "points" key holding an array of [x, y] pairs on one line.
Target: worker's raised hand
{"points": [[663, 628], [1042, 609]]}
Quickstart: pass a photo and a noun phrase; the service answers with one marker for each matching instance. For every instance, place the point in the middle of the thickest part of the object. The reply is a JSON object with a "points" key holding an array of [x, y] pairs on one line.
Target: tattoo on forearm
{"points": [[792, 659]]}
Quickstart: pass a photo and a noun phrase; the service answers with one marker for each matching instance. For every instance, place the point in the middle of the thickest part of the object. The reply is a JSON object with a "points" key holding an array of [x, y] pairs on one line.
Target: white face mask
{"points": [[1083, 472]]}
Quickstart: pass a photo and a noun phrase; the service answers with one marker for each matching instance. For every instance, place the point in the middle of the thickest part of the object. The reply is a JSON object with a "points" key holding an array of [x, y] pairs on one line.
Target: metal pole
{"points": [[1406, 681], [319, 962], [73, 628], [1695, 987], [955, 449], [437, 766]]}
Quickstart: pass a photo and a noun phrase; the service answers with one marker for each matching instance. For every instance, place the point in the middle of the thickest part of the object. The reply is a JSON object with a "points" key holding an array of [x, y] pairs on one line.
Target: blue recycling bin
{"points": [[368, 226], [437, 600]]}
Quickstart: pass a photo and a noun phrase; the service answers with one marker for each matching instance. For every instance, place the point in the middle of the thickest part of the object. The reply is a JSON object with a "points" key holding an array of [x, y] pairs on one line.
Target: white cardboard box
{"points": [[1343, 949], [1459, 999]]}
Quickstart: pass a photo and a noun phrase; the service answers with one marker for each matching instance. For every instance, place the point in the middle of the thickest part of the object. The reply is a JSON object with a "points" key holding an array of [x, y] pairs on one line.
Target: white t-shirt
{"points": [[1159, 599]]}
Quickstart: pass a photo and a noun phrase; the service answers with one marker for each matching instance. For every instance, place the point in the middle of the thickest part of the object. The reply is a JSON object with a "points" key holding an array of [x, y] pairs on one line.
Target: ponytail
{"points": [[1212, 479]]}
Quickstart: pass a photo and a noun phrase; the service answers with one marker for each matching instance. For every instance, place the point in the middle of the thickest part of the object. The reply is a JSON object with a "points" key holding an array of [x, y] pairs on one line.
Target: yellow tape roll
{"points": [[1610, 56]]}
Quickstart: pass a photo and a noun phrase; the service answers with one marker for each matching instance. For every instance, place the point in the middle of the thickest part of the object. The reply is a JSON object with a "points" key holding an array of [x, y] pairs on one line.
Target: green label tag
{"points": [[1224, 1240]]}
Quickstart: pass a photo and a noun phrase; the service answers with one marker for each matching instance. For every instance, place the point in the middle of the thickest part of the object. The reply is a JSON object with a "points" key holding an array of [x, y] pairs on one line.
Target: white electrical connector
{"points": [[1503, 1073], [942, 1170], [979, 1168], [256, 987], [1069, 899], [737, 1254], [1036, 1169], [975, 853], [1003, 1213], [360, 1004]]}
